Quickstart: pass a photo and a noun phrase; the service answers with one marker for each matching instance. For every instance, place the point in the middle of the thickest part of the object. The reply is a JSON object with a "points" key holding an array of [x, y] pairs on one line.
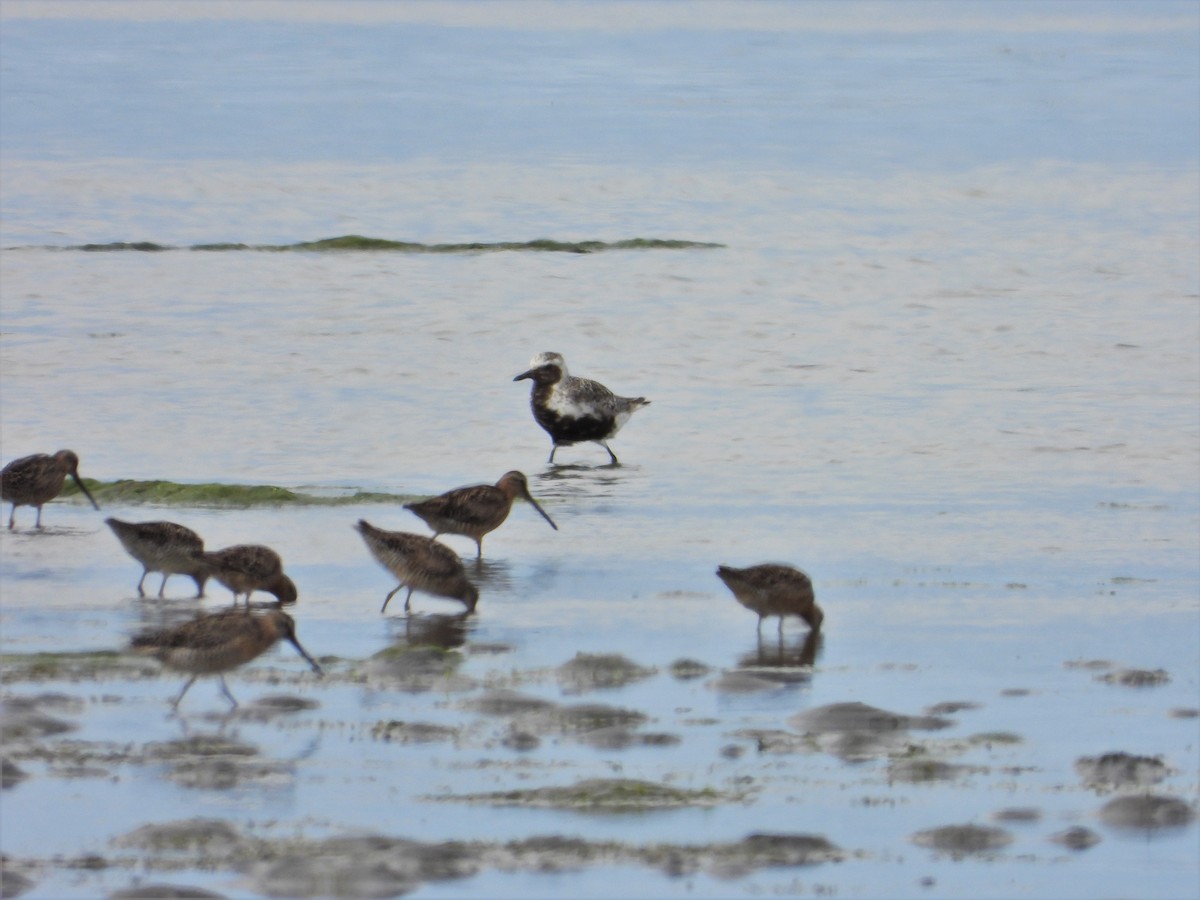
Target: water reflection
{"points": [[785, 653], [571, 482], [433, 630], [154, 614], [494, 575]]}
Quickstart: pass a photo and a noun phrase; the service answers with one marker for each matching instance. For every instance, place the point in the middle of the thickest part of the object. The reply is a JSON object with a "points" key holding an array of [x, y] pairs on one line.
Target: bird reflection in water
{"points": [[798, 651], [448, 632]]}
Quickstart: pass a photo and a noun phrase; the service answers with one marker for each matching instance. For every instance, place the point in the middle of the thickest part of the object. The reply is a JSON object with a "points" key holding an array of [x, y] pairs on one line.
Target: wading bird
{"points": [[163, 547], [773, 590], [573, 409], [36, 480], [246, 568], [476, 510], [217, 643], [420, 563]]}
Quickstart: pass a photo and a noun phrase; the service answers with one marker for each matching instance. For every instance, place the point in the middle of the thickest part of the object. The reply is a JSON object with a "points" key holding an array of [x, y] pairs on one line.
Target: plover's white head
{"points": [[542, 359]]}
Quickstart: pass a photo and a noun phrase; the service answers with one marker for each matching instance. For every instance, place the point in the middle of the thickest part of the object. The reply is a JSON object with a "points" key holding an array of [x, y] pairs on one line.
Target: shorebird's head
{"points": [[69, 461], [515, 484], [545, 368], [284, 627], [284, 589]]}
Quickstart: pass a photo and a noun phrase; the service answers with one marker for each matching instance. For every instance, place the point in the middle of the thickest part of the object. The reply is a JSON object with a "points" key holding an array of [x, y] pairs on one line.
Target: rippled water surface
{"points": [[945, 359]]}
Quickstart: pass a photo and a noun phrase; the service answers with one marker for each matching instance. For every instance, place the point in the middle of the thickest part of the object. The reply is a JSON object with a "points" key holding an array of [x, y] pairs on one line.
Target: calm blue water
{"points": [[1112, 84], [946, 361]]}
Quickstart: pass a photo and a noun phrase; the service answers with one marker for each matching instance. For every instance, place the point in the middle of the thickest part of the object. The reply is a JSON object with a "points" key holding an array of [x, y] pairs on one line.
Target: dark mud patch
{"points": [[857, 716], [922, 770], [688, 669], [416, 670], [362, 867], [507, 703], [1137, 678], [1095, 665], [202, 746], [855, 731], [620, 738], [1181, 712], [161, 891], [1121, 770], [1147, 813], [950, 707], [16, 668], [197, 837], [1018, 814], [398, 732], [274, 706], [382, 866], [591, 672], [960, 841], [1076, 838], [597, 724], [213, 762], [583, 718], [601, 795]]}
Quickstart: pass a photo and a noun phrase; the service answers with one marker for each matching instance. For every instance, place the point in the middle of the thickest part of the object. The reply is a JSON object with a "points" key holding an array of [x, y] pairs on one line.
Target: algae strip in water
{"points": [[356, 242]]}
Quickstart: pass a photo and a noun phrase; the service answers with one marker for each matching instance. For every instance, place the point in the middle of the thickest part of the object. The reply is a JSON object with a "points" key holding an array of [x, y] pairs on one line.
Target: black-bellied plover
{"points": [[573, 409]]}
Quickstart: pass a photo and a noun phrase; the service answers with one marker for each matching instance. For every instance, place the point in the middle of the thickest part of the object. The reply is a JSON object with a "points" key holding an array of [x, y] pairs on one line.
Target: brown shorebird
{"points": [[163, 547], [38, 479], [421, 564], [574, 409], [247, 568], [477, 509], [217, 643], [773, 590]]}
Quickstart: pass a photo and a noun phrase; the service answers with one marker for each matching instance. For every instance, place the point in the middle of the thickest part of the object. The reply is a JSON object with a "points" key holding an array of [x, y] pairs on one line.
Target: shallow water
{"points": [[960, 392]]}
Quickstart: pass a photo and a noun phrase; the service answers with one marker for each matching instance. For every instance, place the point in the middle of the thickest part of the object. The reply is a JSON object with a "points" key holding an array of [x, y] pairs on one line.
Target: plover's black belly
{"points": [[565, 429]]}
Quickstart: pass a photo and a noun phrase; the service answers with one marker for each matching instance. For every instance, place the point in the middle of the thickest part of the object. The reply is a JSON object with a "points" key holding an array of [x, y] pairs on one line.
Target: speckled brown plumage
{"points": [[420, 563], [771, 589], [219, 642], [163, 547], [476, 510], [246, 568], [36, 480]]}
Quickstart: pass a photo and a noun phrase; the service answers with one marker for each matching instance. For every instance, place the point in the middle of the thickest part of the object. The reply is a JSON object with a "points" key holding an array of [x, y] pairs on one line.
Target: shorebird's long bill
{"points": [[534, 504], [524, 375], [79, 482], [312, 662]]}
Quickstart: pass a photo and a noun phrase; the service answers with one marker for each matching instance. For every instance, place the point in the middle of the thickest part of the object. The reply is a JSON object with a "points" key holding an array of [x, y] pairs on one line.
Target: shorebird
{"points": [[163, 547], [246, 568], [217, 643], [477, 509], [421, 564], [573, 409], [36, 480], [773, 590]]}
